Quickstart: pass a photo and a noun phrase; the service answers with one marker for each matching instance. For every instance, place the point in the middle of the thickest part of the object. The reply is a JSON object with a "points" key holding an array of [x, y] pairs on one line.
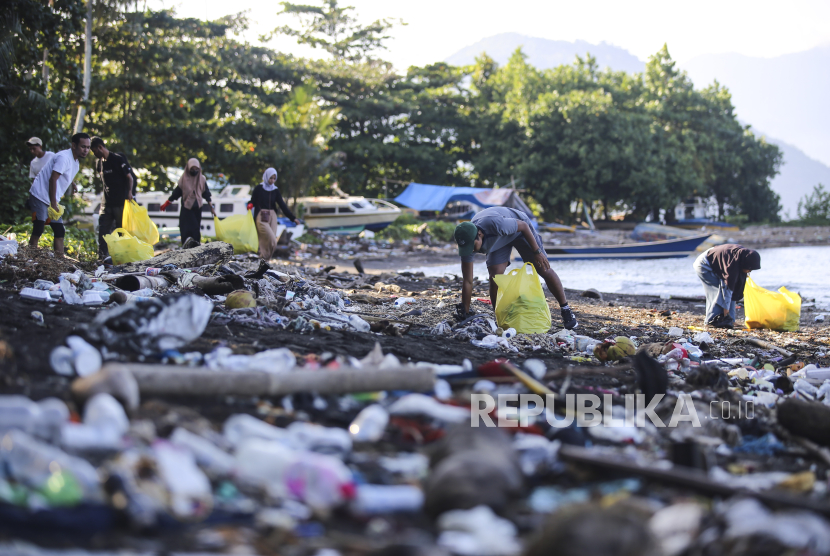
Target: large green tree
{"points": [[39, 45]]}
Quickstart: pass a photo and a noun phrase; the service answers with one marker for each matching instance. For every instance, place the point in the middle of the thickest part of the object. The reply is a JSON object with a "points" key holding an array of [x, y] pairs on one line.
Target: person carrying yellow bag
{"points": [[192, 190], [138, 223], [723, 271], [119, 185], [495, 232], [265, 199]]}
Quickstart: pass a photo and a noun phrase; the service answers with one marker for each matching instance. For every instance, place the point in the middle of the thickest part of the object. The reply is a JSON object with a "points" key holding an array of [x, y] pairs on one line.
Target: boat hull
{"points": [[370, 221], [668, 249]]}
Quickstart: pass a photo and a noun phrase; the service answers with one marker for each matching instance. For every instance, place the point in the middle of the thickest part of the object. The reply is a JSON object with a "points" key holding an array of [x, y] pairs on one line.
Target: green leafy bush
{"points": [[407, 226], [815, 208], [308, 238]]}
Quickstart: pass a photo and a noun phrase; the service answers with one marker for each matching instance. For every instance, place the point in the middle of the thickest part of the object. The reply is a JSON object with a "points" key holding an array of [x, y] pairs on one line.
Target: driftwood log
{"points": [[171, 380], [204, 254]]}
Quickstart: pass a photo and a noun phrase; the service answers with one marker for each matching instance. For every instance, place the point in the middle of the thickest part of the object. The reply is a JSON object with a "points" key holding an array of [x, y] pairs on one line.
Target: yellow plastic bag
{"points": [[239, 230], [126, 248], [521, 302], [136, 221], [50, 212], [774, 310]]}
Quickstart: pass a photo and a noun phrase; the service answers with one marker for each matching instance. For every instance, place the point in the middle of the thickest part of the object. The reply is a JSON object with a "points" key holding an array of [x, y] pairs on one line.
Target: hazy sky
{"points": [[438, 28]]}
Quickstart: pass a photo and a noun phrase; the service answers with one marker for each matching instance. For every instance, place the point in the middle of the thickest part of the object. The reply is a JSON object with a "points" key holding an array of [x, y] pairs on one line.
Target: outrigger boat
{"points": [[668, 249]]}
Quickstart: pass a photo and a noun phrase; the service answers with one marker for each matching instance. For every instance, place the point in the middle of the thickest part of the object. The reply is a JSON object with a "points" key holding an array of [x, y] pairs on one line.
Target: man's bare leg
{"points": [[33, 241], [494, 271], [58, 247], [554, 285]]}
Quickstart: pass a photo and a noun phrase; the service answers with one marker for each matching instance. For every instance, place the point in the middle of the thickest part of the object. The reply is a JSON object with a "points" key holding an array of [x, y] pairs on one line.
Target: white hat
{"points": [[34, 141]]}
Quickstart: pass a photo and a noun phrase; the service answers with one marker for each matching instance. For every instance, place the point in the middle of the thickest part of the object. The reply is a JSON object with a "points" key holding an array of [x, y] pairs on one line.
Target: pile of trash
{"points": [[660, 440]]}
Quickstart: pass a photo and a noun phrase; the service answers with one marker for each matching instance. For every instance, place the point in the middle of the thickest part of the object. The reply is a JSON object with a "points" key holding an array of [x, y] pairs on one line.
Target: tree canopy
{"points": [[165, 89]]}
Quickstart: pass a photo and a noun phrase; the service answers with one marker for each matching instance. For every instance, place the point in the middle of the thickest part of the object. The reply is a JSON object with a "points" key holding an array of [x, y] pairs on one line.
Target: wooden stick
{"points": [[766, 345], [687, 478], [184, 381]]}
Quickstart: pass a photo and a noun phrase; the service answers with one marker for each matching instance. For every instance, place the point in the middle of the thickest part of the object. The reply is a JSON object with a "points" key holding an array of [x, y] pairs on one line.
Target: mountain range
{"points": [[783, 98]]}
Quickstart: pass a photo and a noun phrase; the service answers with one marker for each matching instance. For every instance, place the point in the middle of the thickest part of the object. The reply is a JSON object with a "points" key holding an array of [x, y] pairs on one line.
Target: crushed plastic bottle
{"points": [[317, 438], [401, 301], [370, 424], [421, 405], [61, 479], [323, 482], [242, 427], [509, 333], [209, 456]]}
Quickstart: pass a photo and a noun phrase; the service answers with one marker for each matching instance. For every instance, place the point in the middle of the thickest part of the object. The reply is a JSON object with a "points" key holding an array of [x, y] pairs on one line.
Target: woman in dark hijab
{"points": [[723, 271], [192, 190]]}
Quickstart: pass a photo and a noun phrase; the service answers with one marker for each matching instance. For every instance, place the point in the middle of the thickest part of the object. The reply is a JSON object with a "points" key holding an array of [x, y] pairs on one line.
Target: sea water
{"points": [[805, 270]]}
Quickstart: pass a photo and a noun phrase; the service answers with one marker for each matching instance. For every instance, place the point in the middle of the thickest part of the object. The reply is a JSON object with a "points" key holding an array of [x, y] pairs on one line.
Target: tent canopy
{"points": [[424, 197]]}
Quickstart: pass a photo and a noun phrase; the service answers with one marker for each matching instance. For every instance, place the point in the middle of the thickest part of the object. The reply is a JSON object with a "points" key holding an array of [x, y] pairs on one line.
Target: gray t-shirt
{"points": [[500, 226]]}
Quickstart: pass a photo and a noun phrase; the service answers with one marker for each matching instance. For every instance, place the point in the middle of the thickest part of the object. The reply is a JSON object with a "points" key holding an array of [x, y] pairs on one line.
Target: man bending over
{"points": [[495, 232]]}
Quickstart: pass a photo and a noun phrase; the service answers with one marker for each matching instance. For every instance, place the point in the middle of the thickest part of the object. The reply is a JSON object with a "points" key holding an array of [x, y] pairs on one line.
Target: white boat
{"points": [[228, 201], [346, 211]]}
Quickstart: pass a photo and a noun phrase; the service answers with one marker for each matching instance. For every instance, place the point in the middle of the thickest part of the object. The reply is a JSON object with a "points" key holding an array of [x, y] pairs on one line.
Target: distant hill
{"points": [[546, 53], [786, 96], [799, 174]]}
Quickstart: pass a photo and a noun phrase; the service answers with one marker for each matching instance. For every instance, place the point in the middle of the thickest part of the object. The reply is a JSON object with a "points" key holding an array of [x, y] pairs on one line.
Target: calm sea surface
{"points": [[805, 270]]}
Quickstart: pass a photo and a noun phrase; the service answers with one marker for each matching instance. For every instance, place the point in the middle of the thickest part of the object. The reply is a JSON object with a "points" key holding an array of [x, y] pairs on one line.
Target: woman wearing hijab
{"points": [[723, 271], [264, 201], [192, 189]]}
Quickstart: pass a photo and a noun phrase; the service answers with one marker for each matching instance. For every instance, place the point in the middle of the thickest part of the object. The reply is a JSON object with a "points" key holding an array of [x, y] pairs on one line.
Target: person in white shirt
{"points": [[50, 185], [40, 159]]}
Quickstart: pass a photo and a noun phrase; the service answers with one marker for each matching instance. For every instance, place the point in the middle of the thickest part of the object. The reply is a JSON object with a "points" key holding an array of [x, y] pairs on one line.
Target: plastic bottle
{"points": [[401, 301], [323, 482], [509, 333], [143, 292], [209, 456], [242, 427], [87, 359], [152, 271], [60, 478], [43, 284], [370, 424], [41, 419], [190, 493], [320, 439], [387, 499]]}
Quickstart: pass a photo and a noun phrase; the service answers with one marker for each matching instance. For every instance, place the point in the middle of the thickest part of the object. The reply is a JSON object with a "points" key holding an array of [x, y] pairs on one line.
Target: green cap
{"points": [[465, 234]]}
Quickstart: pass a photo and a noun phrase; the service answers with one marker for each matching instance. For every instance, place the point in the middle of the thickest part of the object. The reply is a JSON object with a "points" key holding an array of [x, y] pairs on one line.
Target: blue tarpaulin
{"points": [[424, 197]]}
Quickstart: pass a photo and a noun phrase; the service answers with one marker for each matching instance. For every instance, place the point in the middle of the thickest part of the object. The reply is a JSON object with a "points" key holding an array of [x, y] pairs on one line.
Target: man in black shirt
{"points": [[118, 181]]}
